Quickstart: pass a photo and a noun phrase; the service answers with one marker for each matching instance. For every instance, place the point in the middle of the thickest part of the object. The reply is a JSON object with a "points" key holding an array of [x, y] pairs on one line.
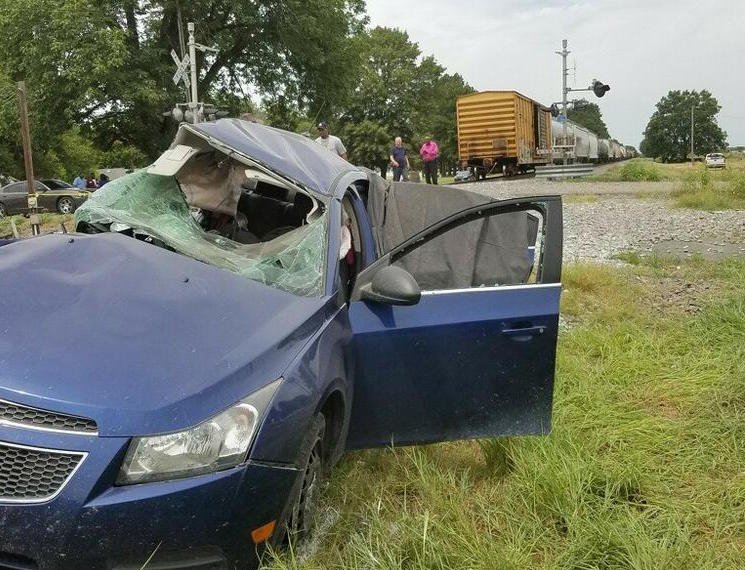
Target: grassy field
{"points": [[644, 169], [49, 223], [702, 190], [699, 188], [645, 467]]}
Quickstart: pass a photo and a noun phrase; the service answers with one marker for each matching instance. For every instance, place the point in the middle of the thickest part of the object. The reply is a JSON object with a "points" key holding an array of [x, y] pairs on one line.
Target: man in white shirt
{"points": [[330, 142]]}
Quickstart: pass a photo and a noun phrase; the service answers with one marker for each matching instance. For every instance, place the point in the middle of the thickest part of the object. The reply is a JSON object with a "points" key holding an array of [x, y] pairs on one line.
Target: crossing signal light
{"points": [[599, 88]]}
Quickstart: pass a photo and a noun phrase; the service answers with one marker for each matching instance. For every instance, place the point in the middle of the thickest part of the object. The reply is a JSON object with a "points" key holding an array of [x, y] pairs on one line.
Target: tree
{"points": [[104, 66], [402, 93], [369, 143], [588, 115], [441, 120], [668, 133]]}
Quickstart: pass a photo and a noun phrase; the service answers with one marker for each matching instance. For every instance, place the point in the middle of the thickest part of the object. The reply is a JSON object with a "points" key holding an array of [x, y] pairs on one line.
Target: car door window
{"points": [[497, 250], [350, 251]]}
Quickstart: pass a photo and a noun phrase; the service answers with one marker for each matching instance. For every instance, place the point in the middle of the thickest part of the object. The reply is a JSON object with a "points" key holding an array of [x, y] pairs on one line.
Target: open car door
{"points": [[460, 343]]}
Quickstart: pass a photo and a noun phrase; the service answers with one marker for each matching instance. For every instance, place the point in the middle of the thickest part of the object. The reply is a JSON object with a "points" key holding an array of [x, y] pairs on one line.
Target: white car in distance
{"points": [[715, 160]]}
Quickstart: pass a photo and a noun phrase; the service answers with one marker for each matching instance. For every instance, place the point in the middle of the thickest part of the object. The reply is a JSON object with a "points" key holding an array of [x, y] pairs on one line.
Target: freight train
{"points": [[508, 133], [582, 145], [502, 132]]}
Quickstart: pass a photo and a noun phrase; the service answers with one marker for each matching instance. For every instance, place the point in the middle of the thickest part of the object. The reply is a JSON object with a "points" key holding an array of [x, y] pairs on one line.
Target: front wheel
{"points": [[305, 506], [65, 205]]}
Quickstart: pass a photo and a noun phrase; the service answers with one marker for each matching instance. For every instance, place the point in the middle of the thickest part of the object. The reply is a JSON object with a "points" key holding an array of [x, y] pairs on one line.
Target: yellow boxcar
{"points": [[502, 131]]}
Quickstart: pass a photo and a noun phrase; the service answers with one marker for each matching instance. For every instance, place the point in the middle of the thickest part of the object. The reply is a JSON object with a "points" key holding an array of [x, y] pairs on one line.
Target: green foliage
{"points": [[121, 155], [588, 115], [404, 94], [699, 191], [668, 133], [77, 154], [368, 143], [104, 66], [637, 170], [99, 77], [737, 186]]}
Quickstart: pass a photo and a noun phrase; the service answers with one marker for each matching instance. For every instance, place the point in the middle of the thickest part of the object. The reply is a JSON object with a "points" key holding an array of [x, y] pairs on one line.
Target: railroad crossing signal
{"points": [[182, 69], [599, 88]]}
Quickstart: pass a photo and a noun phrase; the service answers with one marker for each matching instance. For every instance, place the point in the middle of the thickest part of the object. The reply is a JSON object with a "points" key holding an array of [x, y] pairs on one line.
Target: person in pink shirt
{"points": [[429, 153]]}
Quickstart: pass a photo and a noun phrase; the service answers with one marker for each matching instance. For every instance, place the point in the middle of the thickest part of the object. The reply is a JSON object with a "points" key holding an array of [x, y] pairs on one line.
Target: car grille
{"points": [[43, 419], [29, 474]]}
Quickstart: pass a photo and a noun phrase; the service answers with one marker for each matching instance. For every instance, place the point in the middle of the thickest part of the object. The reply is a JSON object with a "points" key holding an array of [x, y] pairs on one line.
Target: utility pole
{"points": [[28, 160], [691, 135], [181, 42], [564, 92], [194, 103]]}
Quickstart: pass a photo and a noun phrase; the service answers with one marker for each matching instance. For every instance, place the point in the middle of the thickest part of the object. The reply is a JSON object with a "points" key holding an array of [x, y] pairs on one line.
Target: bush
{"points": [[640, 171]]}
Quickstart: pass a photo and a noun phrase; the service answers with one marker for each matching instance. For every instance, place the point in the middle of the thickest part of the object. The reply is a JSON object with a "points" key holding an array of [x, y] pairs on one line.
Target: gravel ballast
{"points": [[616, 219]]}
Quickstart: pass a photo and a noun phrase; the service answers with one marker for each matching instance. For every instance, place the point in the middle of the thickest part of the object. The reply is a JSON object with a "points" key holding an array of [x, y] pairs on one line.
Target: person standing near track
{"points": [[430, 152], [400, 160], [330, 142]]}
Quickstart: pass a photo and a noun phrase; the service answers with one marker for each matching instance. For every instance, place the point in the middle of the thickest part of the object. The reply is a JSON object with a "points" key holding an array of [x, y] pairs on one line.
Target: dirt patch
{"points": [[679, 295]]}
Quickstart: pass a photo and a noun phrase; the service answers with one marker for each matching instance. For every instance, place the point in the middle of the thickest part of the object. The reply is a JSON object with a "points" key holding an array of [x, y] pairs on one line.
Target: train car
{"points": [[581, 144], [502, 131], [603, 150], [594, 142]]}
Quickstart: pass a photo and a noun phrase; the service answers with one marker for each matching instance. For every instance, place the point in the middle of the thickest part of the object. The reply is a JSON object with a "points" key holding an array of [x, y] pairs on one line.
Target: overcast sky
{"points": [[642, 49]]}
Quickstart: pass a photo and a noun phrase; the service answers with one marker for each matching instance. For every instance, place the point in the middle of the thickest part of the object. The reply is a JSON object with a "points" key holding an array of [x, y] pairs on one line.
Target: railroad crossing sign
{"points": [[182, 69]]}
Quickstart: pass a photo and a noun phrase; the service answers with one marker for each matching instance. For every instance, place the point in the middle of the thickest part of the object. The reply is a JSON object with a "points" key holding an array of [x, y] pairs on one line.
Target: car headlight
{"points": [[219, 443]]}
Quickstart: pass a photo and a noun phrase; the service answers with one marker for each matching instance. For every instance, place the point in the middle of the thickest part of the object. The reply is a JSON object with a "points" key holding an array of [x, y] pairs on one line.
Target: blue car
{"points": [[178, 375]]}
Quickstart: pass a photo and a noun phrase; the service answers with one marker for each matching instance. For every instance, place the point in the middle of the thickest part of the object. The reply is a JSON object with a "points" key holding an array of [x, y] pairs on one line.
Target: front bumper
{"points": [[197, 522]]}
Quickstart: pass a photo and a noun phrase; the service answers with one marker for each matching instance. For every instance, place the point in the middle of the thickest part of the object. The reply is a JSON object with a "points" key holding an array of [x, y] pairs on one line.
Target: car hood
{"points": [[140, 339]]}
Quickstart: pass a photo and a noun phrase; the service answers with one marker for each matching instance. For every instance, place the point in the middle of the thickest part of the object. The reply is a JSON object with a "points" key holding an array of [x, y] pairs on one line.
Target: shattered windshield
{"points": [[290, 257]]}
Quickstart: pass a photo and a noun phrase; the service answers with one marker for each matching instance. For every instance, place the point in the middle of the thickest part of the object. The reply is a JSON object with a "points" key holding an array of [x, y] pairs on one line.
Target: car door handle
{"points": [[527, 331]]}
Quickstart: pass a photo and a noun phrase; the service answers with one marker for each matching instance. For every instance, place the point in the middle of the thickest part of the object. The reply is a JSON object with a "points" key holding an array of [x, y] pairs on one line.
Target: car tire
{"points": [[303, 504], [65, 205], [3, 210]]}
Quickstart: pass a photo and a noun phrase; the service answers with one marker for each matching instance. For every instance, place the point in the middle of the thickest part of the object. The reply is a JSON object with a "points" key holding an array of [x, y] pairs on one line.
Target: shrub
{"points": [[640, 171]]}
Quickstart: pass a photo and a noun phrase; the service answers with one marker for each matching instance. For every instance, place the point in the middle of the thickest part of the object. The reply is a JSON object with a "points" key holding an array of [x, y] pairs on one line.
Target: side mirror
{"points": [[392, 286]]}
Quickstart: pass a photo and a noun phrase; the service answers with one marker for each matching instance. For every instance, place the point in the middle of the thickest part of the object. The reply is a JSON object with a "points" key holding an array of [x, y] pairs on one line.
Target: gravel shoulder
{"points": [[629, 216]]}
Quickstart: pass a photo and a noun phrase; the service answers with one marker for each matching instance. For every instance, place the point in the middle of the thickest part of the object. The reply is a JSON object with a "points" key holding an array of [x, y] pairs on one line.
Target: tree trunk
{"points": [[130, 7]]}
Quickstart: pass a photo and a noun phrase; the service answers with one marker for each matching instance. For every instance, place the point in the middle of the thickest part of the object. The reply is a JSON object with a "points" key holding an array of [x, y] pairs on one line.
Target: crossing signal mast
{"points": [[597, 87], [193, 111]]}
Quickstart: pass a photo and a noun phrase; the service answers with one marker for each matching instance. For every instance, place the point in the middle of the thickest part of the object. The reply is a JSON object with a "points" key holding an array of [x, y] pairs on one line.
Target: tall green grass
{"points": [[635, 170], [638, 170], [644, 468], [700, 191]]}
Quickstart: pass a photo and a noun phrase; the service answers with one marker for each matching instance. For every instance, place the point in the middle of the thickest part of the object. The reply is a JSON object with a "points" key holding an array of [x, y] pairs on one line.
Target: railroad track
{"points": [[497, 178]]}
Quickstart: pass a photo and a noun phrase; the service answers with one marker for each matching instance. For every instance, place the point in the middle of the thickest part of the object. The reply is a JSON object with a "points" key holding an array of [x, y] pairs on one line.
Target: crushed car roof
{"points": [[294, 156]]}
